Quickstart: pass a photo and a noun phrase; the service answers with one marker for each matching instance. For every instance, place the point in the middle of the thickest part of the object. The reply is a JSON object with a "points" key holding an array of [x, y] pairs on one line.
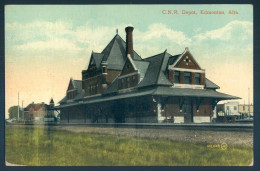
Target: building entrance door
{"points": [[187, 111]]}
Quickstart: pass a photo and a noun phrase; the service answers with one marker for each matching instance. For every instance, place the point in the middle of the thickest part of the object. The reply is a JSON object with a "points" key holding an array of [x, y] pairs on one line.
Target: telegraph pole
{"points": [[18, 107], [248, 101], [22, 111]]}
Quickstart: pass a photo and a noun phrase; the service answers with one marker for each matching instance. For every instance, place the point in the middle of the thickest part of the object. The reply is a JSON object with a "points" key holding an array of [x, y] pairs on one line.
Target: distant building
{"points": [[228, 109], [246, 110], [37, 112]]}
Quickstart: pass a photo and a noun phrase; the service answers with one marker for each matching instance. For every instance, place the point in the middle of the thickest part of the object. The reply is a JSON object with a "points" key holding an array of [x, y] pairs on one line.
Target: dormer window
{"points": [[187, 78], [197, 78], [176, 76]]}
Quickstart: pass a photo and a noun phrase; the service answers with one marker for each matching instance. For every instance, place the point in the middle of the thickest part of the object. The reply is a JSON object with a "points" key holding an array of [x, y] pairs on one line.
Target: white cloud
{"points": [[225, 33], [38, 30], [161, 31], [52, 44]]}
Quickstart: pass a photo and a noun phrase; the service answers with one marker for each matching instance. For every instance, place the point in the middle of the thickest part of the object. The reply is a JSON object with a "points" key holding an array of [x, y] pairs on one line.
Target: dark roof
{"points": [[210, 85], [77, 84], [36, 106], [142, 67], [63, 100], [172, 59], [97, 58], [155, 72], [113, 87], [114, 53], [168, 91], [97, 99], [159, 90]]}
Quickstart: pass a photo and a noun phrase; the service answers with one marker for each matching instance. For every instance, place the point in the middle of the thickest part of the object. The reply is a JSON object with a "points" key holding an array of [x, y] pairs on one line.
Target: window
{"points": [[103, 70], [197, 78], [122, 83], [176, 76], [133, 80], [235, 108], [96, 88], [89, 90], [227, 107], [127, 82], [187, 78], [244, 108]]}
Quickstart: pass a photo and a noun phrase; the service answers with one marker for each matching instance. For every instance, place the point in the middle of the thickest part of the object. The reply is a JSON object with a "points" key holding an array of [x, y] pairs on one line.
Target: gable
{"points": [[91, 63], [70, 87], [128, 68], [187, 61]]}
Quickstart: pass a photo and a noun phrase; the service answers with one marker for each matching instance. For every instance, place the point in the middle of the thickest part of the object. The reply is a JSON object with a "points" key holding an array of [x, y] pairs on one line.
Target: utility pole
{"points": [[22, 111], [248, 101], [18, 107]]}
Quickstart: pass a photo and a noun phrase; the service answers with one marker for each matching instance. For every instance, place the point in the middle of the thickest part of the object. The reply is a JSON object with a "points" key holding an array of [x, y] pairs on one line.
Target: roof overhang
{"points": [[156, 91]]}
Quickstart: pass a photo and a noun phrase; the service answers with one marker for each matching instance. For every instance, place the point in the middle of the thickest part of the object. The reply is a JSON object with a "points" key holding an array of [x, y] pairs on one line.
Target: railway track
{"points": [[211, 127]]}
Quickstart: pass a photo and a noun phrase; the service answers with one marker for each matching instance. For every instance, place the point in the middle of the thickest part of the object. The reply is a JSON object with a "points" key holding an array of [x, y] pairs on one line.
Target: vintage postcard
{"points": [[129, 85]]}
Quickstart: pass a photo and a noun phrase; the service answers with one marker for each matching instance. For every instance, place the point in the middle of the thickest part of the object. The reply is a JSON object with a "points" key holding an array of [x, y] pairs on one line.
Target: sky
{"points": [[46, 45]]}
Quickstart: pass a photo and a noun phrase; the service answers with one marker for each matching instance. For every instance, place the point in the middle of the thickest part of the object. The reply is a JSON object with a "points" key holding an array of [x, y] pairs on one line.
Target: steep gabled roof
{"points": [[77, 84], [141, 67], [113, 87], [155, 72], [114, 53], [98, 58]]}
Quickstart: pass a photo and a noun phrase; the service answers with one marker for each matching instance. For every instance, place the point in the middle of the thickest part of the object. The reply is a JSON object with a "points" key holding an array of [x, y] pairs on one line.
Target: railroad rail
{"points": [[210, 126]]}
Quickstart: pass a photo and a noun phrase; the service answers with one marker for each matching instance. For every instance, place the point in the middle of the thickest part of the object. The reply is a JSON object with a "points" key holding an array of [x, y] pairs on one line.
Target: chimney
{"points": [[129, 41]]}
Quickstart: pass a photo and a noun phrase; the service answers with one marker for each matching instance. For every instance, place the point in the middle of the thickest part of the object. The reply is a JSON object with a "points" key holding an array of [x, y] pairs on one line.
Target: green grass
{"points": [[39, 147]]}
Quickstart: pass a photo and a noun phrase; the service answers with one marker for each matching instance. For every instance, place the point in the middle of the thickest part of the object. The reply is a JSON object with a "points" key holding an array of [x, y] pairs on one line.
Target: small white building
{"points": [[228, 109]]}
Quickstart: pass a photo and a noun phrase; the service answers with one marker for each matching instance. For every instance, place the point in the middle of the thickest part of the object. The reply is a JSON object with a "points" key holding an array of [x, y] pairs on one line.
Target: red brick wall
{"points": [[128, 68], [192, 78], [111, 75], [202, 78], [172, 108], [205, 108], [181, 77]]}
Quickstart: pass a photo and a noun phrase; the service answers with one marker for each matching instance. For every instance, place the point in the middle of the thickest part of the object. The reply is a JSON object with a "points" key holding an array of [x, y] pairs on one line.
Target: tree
{"points": [[13, 112]]}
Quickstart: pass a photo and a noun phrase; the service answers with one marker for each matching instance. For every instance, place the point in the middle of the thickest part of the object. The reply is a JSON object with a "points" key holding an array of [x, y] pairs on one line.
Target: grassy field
{"points": [[40, 147]]}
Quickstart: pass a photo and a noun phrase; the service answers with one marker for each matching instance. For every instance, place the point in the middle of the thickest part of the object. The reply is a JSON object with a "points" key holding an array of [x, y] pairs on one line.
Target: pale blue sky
{"points": [[48, 44], [141, 16]]}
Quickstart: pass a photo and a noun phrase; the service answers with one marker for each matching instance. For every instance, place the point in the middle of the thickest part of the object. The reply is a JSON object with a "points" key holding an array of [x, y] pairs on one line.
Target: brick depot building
{"points": [[119, 86]]}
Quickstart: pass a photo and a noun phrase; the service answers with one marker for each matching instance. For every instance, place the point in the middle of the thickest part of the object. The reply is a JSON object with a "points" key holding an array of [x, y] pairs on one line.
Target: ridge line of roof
{"points": [[153, 56], [120, 46], [113, 40], [160, 66]]}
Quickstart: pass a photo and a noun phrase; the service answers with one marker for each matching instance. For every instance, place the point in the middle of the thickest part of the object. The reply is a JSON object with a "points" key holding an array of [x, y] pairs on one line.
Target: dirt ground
{"points": [[196, 136]]}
